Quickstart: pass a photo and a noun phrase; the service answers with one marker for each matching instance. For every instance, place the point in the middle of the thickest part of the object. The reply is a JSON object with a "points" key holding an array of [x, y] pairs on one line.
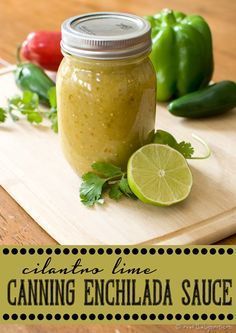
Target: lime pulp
{"points": [[159, 175]]}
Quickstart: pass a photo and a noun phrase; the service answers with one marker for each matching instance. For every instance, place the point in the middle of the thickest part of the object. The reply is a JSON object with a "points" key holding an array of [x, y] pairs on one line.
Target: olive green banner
{"points": [[134, 285]]}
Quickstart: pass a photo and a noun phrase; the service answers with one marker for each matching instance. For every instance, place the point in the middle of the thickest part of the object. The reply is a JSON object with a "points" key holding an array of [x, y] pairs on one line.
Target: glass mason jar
{"points": [[106, 88]]}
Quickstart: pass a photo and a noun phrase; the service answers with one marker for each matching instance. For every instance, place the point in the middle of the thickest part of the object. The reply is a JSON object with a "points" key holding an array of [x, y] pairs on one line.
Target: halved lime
{"points": [[159, 175]]}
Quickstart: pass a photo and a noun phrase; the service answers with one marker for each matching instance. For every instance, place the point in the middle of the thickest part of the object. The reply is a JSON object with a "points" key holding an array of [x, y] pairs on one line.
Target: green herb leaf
{"points": [[185, 148], [91, 189], [12, 114], [54, 125], [30, 100], [52, 114], [14, 100], [125, 189], [34, 117], [52, 97], [3, 115], [112, 178], [165, 138], [115, 192], [26, 105], [107, 169]]}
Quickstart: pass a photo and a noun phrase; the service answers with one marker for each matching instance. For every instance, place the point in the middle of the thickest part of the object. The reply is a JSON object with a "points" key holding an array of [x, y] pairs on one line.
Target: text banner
{"points": [[135, 285]]}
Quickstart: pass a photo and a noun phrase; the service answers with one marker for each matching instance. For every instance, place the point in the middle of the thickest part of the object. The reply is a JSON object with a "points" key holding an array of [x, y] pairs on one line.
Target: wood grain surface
{"points": [[49, 191], [18, 17]]}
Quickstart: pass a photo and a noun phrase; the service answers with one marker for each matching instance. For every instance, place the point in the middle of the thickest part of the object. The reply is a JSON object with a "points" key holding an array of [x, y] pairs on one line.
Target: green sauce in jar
{"points": [[106, 97]]}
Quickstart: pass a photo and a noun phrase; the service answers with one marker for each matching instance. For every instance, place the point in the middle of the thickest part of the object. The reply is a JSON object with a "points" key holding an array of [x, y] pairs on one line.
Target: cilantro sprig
{"points": [[106, 178], [110, 178], [26, 105], [185, 148]]}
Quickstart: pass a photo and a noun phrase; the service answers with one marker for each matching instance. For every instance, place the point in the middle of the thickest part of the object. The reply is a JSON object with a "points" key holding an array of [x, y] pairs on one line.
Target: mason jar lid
{"points": [[106, 35]]}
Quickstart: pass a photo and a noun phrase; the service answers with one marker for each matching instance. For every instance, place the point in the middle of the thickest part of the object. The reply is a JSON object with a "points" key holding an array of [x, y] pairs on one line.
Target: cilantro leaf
{"points": [[165, 138], [52, 97], [91, 189], [30, 100], [185, 148], [12, 114], [121, 188], [115, 192], [11, 107], [27, 104], [52, 114], [3, 115], [107, 169], [14, 100], [125, 189], [34, 117], [111, 177]]}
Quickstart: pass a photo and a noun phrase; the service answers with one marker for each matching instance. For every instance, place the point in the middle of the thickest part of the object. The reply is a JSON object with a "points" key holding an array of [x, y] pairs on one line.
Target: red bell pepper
{"points": [[43, 48]]}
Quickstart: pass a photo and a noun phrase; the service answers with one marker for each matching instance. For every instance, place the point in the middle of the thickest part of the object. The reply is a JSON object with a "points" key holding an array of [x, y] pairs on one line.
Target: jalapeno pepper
{"points": [[31, 77], [211, 101]]}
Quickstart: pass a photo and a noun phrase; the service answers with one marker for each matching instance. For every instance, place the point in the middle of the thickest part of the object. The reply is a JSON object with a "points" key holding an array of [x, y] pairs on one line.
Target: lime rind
{"points": [[159, 175]]}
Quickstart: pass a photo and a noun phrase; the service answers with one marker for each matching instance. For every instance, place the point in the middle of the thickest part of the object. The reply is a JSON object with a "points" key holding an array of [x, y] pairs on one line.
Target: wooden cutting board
{"points": [[35, 173]]}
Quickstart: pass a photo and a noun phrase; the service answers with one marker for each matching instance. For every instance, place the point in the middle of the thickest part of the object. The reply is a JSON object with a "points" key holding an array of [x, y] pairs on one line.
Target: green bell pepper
{"points": [[181, 54]]}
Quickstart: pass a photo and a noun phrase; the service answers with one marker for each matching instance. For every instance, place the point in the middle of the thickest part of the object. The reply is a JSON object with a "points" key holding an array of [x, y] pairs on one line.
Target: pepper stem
{"points": [[168, 16]]}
